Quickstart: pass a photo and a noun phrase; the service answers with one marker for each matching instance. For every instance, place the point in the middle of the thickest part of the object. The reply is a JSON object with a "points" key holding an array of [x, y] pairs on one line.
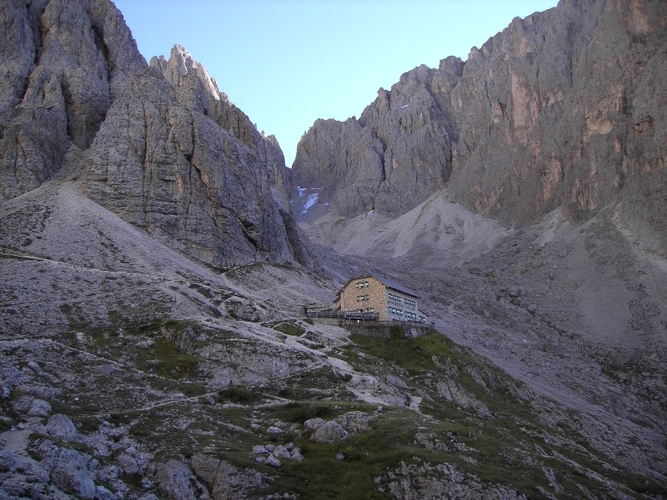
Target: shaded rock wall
{"points": [[565, 108], [175, 157], [62, 63], [393, 157], [157, 144]]}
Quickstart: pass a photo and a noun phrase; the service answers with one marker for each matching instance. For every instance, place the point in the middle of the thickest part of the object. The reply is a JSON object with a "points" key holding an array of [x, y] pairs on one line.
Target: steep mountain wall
{"points": [[157, 144], [63, 63], [565, 108], [174, 156]]}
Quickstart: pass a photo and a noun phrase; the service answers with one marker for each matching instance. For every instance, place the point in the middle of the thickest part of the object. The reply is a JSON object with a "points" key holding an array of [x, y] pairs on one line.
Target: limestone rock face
{"points": [[72, 474], [564, 108], [62, 63], [176, 158], [158, 145], [175, 481], [224, 480], [390, 159], [201, 94]]}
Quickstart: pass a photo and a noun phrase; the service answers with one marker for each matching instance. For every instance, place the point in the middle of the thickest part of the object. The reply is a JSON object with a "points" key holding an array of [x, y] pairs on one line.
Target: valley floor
{"points": [[128, 369]]}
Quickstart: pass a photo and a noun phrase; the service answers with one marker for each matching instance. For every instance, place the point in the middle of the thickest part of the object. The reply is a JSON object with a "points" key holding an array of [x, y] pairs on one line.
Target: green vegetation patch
{"points": [[158, 356], [413, 354], [171, 362], [239, 394], [289, 328], [348, 469], [505, 445], [300, 412]]}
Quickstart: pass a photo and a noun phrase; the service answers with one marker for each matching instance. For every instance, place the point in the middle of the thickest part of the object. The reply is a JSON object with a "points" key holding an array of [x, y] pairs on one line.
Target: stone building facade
{"points": [[387, 298]]}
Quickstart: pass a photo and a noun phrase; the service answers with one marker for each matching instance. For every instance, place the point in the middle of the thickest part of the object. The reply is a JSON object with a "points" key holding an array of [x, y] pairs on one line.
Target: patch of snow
{"points": [[301, 190], [312, 199]]}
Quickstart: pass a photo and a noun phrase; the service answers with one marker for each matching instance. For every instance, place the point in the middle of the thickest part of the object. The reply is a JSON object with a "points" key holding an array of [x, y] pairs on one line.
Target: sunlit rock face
{"points": [[561, 109]]}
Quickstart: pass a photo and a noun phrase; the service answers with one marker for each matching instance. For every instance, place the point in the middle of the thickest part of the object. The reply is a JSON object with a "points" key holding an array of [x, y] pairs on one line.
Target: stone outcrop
{"points": [[162, 164], [158, 144], [564, 108]]}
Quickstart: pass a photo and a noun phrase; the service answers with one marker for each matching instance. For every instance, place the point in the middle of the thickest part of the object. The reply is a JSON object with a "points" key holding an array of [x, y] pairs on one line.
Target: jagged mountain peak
{"points": [[158, 145], [557, 110], [181, 63]]}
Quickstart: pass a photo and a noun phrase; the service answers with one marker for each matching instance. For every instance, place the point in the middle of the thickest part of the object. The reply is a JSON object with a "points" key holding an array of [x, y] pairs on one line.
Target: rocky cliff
{"points": [[63, 64], [157, 144], [176, 157], [565, 108]]}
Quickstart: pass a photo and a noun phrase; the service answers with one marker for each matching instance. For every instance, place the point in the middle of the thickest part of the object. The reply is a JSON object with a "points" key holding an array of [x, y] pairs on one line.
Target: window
{"points": [[410, 302], [394, 298], [361, 284], [362, 298], [395, 311]]}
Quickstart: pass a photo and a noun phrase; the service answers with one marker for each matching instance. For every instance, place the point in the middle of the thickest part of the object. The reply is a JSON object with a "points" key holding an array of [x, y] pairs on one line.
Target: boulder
{"points": [[355, 421], [281, 452], [313, 423], [127, 463], [329, 432], [7, 460], [72, 474], [453, 392], [60, 426], [35, 367], [175, 481], [259, 450], [242, 309], [107, 369], [39, 408], [101, 493], [397, 381], [223, 479]]}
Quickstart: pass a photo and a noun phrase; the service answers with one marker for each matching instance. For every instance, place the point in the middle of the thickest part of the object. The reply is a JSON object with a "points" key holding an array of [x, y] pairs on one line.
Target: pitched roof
{"points": [[388, 282]]}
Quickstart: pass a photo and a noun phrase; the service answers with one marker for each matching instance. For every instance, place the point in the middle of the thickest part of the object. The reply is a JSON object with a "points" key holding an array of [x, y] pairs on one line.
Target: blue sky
{"points": [[286, 63]]}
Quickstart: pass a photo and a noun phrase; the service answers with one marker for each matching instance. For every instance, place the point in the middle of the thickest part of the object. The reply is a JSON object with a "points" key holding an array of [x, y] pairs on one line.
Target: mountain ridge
{"points": [[545, 114], [158, 143]]}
